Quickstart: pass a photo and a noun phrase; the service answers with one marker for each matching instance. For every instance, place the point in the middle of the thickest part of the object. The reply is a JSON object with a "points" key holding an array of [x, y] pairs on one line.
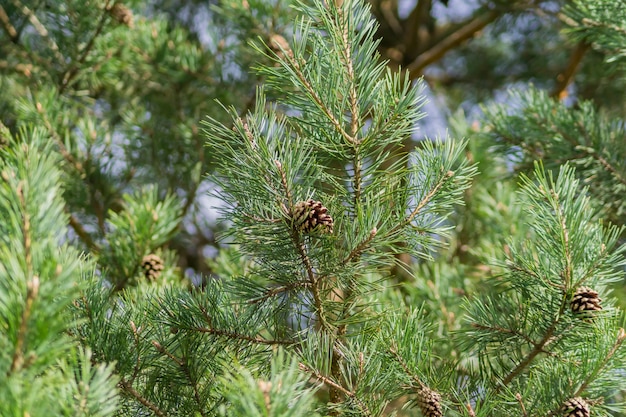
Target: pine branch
{"points": [[437, 51], [567, 76], [621, 336], [237, 336], [499, 329], [360, 248], [85, 237], [72, 71], [32, 286], [43, 32], [548, 337], [32, 289], [333, 385], [185, 370], [8, 27], [405, 367], [272, 292], [296, 67], [296, 239], [128, 388], [518, 397]]}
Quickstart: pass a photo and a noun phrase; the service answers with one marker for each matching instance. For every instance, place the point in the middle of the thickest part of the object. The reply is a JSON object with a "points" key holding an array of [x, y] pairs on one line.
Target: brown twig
{"points": [[71, 72], [8, 27], [43, 32], [621, 336], [278, 290], [128, 388], [295, 67], [185, 370], [518, 397], [405, 367], [453, 40], [566, 77], [428, 197], [360, 248], [332, 384], [237, 336]]}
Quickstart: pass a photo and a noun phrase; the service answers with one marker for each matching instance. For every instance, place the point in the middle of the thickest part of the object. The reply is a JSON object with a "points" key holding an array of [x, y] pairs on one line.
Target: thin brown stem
{"points": [[184, 368], [128, 388], [71, 72], [539, 348], [518, 397], [296, 239], [429, 196], [8, 26], [360, 248], [32, 289], [295, 67], [621, 336], [272, 292], [32, 285], [405, 367], [565, 78], [85, 237], [332, 384], [41, 30], [450, 42], [238, 336]]}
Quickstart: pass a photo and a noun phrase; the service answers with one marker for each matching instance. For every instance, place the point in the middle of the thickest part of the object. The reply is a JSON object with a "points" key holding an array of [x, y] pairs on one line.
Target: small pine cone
{"points": [[429, 402], [585, 300], [311, 216], [152, 266], [122, 14], [576, 407]]}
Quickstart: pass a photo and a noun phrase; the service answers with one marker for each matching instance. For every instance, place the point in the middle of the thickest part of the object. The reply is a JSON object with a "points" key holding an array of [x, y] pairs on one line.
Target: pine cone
{"points": [[122, 14], [576, 407], [585, 300], [152, 266], [429, 402], [311, 216]]}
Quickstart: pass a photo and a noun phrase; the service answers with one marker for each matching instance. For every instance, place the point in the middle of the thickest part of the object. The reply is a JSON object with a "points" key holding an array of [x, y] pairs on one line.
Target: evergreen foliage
{"points": [[354, 276]]}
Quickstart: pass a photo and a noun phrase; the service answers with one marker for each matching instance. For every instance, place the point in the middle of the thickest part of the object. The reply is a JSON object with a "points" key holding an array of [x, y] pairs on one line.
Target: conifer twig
{"points": [[185, 370], [453, 40], [539, 348], [332, 384], [238, 336], [424, 201], [8, 27], [621, 336], [405, 367], [360, 248], [43, 32], [565, 78], [32, 289], [518, 397], [128, 388], [304, 257], [71, 72], [317, 99], [278, 290]]}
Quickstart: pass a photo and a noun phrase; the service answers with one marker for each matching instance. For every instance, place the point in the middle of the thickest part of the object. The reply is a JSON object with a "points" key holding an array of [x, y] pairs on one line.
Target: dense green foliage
{"points": [[243, 218]]}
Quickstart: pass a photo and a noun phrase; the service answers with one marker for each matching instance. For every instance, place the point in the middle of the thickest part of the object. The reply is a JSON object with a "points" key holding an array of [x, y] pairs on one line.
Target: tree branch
{"points": [[8, 27], [127, 387], [43, 32], [332, 384], [566, 77], [437, 51], [71, 72]]}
